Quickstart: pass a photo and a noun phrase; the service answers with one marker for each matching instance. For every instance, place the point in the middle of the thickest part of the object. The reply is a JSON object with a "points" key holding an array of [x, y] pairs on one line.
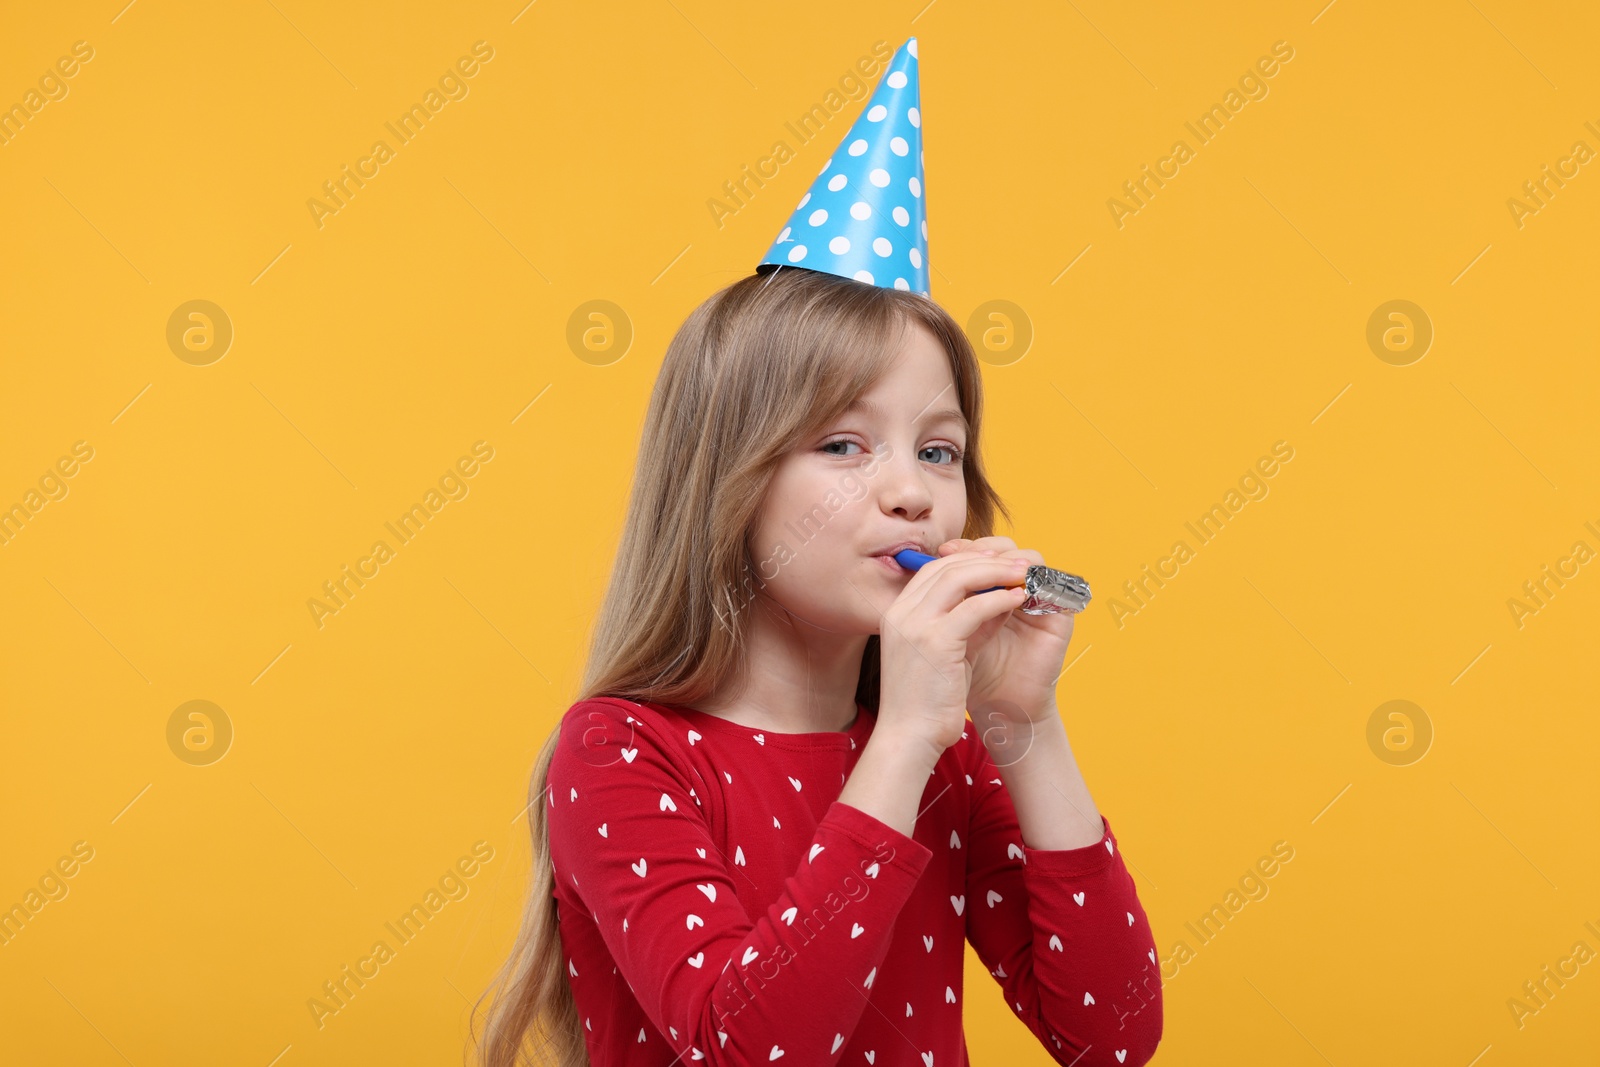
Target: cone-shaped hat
{"points": [[864, 217]]}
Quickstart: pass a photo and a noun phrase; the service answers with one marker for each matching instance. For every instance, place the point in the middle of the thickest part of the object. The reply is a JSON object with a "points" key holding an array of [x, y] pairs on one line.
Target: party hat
{"points": [[864, 216]]}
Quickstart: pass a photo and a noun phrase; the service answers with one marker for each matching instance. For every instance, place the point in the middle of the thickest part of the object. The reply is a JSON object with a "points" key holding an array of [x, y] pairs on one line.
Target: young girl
{"points": [[767, 828]]}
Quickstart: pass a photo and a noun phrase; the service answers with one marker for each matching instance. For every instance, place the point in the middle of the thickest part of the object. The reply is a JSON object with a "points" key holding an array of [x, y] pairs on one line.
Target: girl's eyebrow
{"points": [[943, 414]]}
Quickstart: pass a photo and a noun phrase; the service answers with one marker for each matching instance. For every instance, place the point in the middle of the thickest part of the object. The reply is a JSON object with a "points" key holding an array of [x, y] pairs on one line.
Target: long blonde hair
{"points": [[753, 369]]}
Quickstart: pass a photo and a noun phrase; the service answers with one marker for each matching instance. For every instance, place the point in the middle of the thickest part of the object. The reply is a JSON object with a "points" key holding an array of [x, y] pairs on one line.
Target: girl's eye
{"points": [[955, 453], [830, 444]]}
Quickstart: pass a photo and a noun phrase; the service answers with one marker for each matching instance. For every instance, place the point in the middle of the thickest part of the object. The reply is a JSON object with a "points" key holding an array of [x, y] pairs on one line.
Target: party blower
{"points": [[1049, 590]]}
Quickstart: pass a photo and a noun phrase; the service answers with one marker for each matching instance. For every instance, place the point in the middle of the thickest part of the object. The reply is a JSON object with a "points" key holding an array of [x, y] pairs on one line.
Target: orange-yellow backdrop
{"points": [[1140, 362]]}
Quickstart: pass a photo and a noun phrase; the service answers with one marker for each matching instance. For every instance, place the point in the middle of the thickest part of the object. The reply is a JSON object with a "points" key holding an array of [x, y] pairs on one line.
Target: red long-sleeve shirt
{"points": [[718, 903]]}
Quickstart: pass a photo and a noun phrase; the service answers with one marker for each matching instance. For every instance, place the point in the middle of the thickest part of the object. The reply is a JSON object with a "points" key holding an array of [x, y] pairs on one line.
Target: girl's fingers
{"points": [[958, 579], [962, 544], [931, 574], [978, 609]]}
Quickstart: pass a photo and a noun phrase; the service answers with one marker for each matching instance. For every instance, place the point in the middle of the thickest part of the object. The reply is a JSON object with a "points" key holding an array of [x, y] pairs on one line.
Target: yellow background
{"points": [[1229, 713]]}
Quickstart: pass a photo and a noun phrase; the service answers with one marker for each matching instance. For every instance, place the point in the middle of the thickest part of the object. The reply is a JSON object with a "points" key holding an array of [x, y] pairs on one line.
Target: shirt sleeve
{"points": [[728, 987], [1062, 931]]}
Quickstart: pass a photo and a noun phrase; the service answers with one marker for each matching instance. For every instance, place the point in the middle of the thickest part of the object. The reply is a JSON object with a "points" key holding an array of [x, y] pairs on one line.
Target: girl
{"points": [[766, 829]]}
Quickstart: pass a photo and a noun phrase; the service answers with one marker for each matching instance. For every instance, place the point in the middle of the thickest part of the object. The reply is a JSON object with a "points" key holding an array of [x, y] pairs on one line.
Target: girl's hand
{"points": [[1015, 657], [926, 642]]}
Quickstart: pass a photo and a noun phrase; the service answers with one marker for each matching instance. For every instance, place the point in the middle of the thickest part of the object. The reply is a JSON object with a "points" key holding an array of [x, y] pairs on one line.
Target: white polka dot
{"points": [[902, 217], [818, 217], [898, 146], [879, 177], [915, 186], [924, 229], [915, 116], [839, 245], [860, 210], [882, 246], [864, 276], [877, 113], [784, 236], [911, 46], [804, 200], [797, 253], [858, 146], [900, 283], [916, 259], [826, 165], [836, 182], [897, 80]]}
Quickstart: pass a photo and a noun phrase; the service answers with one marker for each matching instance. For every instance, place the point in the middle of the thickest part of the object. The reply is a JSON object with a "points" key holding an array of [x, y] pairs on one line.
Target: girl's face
{"points": [[884, 476]]}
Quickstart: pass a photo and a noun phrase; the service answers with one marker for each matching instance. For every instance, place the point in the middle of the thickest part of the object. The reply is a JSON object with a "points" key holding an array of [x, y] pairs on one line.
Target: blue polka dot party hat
{"points": [[863, 217]]}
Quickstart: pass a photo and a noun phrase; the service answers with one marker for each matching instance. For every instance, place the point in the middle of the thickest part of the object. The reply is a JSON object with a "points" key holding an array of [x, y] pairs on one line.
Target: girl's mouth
{"points": [[895, 566], [889, 564]]}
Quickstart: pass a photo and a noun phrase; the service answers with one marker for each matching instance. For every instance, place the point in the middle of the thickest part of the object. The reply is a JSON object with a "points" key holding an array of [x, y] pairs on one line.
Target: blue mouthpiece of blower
{"points": [[1049, 590]]}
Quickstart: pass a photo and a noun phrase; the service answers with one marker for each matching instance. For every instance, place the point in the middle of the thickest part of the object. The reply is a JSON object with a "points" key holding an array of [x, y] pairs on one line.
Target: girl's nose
{"points": [[902, 486]]}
